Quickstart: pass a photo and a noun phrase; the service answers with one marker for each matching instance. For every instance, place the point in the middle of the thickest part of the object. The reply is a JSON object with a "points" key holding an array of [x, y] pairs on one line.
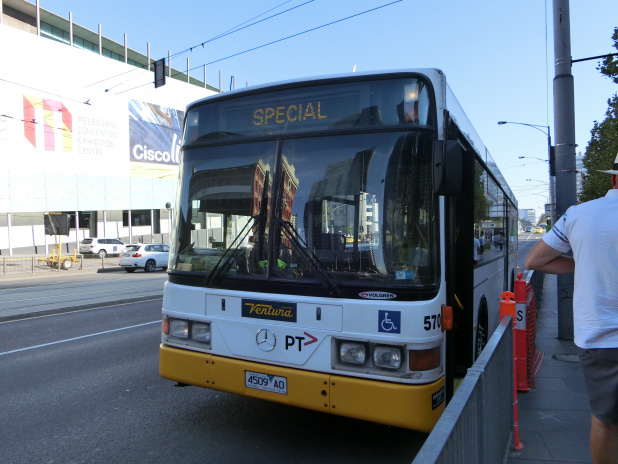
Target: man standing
{"points": [[477, 246], [591, 231]]}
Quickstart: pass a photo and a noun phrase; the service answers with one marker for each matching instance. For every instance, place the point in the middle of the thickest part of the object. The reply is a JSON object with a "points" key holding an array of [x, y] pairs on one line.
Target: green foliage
{"points": [[600, 154], [610, 64], [603, 146], [481, 204]]}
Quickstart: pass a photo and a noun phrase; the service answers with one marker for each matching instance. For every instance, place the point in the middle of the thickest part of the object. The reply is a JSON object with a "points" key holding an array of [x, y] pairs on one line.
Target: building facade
{"points": [[527, 215], [83, 131]]}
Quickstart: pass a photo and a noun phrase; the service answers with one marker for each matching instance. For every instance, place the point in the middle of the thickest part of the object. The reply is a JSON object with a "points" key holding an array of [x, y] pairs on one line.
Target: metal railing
{"points": [[477, 425], [38, 264], [536, 278]]}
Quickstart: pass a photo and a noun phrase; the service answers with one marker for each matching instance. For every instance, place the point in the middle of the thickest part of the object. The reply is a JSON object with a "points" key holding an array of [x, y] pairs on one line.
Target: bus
{"points": [[324, 246]]}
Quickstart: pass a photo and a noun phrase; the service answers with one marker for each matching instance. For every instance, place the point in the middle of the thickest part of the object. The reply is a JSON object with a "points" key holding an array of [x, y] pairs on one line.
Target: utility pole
{"points": [[564, 125]]}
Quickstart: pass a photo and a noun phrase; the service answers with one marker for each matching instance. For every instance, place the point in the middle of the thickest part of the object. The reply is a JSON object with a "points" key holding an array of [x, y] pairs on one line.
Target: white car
{"points": [[148, 256], [100, 246]]}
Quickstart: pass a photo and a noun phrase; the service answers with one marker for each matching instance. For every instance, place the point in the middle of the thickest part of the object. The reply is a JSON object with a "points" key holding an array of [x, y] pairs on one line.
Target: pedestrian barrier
{"points": [[27, 264], [39, 264], [476, 427], [528, 358], [533, 356], [508, 307], [478, 423], [521, 353]]}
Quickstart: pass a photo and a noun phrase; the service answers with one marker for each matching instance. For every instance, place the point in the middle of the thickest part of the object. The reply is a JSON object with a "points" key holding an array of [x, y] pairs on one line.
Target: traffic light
{"points": [[159, 71]]}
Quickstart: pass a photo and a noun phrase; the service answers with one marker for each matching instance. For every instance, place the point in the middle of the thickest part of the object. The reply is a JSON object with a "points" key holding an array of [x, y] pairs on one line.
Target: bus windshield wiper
{"points": [[218, 269], [324, 277]]}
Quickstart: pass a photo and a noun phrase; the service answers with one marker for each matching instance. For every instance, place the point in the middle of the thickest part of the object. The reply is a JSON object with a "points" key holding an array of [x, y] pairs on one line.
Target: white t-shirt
{"points": [[591, 231]]}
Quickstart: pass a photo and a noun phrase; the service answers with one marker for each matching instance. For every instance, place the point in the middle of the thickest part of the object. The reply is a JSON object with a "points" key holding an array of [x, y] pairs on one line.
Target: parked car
{"points": [[100, 246], [538, 230], [147, 256]]}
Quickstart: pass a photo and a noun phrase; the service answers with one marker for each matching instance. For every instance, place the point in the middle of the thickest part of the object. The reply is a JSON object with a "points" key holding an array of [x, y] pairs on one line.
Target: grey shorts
{"points": [[600, 368]]}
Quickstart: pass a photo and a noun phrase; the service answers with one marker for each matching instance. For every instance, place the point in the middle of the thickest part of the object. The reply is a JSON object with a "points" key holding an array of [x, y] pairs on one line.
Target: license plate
{"points": [[269, 383]]}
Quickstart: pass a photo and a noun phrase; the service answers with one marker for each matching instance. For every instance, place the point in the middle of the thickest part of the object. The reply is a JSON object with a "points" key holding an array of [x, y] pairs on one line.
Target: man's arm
{"points": [[547, 259]]}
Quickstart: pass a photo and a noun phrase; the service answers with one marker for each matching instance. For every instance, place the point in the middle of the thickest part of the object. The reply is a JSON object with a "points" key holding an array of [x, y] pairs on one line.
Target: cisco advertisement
{"points": [[154, 137]]}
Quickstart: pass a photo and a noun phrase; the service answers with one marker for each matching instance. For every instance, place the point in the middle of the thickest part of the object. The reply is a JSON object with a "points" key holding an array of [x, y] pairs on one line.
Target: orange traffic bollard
{"points": [[508, 308]]}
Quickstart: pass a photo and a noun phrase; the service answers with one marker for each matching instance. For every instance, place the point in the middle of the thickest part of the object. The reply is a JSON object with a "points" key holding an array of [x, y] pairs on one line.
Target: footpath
{"points": [[554, 416]]}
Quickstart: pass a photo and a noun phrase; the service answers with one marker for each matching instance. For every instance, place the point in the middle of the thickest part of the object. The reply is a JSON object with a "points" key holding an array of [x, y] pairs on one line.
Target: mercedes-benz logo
{"points": [[266, 340]]}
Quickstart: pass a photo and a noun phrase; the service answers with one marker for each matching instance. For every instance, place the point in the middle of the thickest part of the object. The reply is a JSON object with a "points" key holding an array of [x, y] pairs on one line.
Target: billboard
{"points": [[154, 139]]}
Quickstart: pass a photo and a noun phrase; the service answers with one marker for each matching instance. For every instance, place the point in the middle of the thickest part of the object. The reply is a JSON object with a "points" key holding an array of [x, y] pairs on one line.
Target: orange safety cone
{"points": [[508, 308]]}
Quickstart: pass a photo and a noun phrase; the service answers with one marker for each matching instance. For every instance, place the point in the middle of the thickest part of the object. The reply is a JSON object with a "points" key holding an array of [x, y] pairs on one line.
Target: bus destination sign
{"points": [[292, 113]]}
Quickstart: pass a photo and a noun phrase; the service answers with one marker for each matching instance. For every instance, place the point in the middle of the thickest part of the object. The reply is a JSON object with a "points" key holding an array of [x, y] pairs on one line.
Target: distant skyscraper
{"points": [[527, 215], [579, 166]]}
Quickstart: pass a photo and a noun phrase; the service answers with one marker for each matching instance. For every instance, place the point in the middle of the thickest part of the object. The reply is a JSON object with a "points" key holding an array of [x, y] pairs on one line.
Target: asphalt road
{"points": [[83, 386], [53, 293], [526, 242]]}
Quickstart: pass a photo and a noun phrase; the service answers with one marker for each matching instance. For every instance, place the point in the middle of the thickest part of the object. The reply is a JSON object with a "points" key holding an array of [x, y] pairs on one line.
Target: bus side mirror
{"points": [[447, 167]]}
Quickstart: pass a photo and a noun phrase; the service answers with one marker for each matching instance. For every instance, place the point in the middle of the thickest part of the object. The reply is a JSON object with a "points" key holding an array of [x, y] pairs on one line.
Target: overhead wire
{"points": [[237, 28], [275, 41], [222, 34], [306, 31], [251, 19]]}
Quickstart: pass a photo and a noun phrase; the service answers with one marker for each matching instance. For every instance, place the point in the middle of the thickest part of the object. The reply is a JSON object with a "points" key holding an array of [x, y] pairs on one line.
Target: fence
{"points": [[477, 425], [534, 291], [535, 279], [35, 264]]}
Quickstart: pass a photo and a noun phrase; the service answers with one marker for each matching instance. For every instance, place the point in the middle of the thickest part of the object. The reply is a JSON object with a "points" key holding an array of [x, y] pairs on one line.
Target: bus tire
{"points": [[482, 329]]}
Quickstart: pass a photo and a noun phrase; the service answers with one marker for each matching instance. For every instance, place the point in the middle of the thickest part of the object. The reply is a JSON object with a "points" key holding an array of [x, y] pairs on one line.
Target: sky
{"points": [[498, 56]]}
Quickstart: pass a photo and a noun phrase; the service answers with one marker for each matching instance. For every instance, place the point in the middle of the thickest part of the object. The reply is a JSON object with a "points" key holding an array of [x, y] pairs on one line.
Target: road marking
{"points": [[115, 291], [81, 338], [70, 310]]}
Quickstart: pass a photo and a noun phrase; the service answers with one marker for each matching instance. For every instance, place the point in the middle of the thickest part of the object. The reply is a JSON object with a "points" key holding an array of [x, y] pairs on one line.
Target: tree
{"points": [[542, 219], [481, 204], [610, 63], [603, 146]]}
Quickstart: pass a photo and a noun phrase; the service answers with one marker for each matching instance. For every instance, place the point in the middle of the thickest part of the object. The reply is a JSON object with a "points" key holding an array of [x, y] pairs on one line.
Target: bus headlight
{"points": [[352, 353], [200, 332], [179, 328], [387, 357]]}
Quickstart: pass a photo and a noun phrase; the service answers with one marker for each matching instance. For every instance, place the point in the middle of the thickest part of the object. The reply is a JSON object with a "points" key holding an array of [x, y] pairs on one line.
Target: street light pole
{"points": [[550, 162], [564, 124]]}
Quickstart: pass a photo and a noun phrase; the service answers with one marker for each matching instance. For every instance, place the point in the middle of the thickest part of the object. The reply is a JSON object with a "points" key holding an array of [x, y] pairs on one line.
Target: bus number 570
{"points": [[433, 321]]}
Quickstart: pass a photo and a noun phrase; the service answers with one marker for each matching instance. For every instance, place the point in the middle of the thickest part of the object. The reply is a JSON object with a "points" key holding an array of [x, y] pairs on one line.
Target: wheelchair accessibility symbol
{"points": [[389, 321]]}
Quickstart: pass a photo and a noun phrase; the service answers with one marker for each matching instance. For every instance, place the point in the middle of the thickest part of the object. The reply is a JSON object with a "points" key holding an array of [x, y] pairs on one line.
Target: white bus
{"points": [[324, 229]]}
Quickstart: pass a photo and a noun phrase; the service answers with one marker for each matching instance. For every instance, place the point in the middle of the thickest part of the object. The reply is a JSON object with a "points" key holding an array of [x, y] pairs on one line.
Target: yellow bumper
{"points": [[401, 405]]}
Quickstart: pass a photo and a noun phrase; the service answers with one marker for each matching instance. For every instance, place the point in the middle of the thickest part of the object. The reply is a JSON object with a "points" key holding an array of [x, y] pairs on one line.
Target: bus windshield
{"points": [[345, 211]]}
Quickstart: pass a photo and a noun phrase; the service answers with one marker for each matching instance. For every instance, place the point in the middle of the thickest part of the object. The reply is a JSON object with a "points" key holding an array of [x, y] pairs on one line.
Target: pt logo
{"points": [[48, 124], [389, 321], [290, 341]]}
